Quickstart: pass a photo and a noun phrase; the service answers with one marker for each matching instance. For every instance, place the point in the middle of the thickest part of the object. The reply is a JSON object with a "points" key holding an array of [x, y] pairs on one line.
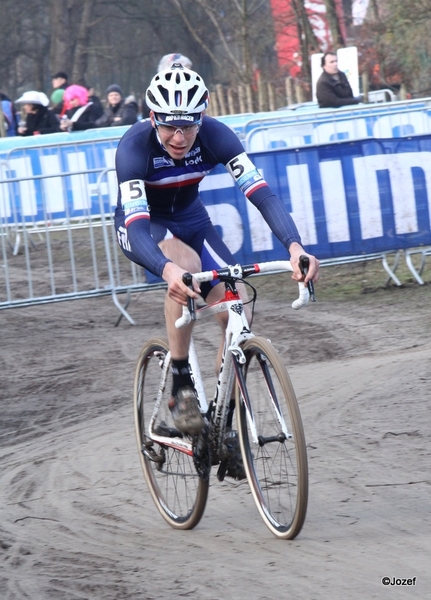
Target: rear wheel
{"points": [[178, 492], [272, 440]]}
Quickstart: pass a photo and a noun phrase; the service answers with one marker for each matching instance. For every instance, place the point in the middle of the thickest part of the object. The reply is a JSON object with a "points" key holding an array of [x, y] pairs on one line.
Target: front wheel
{"points": [[272, 439], [166, 457]]}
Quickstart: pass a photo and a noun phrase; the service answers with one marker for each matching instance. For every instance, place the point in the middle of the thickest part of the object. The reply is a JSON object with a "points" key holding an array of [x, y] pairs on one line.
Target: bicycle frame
{"points": [[237, 332]]}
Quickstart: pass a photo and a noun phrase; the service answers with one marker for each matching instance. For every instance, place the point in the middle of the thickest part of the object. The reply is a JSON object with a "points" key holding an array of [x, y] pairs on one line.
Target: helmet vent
{"points": [[151, 97], [164, 92], [191, 92]]}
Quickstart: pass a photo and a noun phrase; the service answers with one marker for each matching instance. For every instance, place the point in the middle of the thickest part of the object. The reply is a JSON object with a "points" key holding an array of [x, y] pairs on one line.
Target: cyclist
{"points": [[161, 222]]}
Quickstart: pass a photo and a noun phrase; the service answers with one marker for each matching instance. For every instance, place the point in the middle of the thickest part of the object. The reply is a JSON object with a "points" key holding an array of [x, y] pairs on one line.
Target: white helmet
{"points": [[177, 91]]}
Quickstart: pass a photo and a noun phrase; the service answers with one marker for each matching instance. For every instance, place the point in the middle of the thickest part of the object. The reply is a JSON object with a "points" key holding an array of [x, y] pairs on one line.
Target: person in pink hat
{"points": [[79, 114]]}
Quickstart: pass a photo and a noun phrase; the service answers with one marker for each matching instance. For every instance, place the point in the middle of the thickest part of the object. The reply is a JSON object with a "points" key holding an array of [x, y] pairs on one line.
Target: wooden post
{"points": [[260, 93], [220, 98], [241, 99], [230, 101], [299, 92], [249, 98], [271, 96], [213, 105], [365, 85], [289, 91]]}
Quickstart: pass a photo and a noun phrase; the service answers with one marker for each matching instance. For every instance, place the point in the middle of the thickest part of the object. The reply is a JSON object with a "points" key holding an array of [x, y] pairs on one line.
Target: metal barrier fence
{"points": [[324, 126], [71, 258], [68, 258], [352, 201]]}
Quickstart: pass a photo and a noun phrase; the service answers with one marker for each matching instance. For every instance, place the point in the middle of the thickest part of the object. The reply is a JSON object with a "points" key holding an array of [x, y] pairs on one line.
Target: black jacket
{"points": [[87, 118], [127, 113], [43, 121], [97, 104], [334, 91]]}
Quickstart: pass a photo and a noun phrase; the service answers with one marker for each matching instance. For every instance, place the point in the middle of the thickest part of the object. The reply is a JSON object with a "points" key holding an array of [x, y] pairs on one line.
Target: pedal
{"points": [[221, 471], [163, 429]]}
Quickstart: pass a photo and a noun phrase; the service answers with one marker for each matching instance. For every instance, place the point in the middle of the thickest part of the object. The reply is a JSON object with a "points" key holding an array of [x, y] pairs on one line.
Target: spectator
{"points": [[118, 111], [8, 121], [39, 118], [333, 89], [59, 84], [56, 100], [79, 113], [167, 61], [98, 106]]}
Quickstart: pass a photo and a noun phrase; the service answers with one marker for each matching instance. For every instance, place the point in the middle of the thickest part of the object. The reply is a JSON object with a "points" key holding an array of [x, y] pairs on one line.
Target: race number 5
{"points": [[135, 189], [236, 167]]}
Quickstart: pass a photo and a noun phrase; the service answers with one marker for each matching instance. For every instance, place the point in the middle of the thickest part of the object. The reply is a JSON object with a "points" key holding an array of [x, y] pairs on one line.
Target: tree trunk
{"points": [[61, 46], [334, 24], [308, 41], [80, 61]]}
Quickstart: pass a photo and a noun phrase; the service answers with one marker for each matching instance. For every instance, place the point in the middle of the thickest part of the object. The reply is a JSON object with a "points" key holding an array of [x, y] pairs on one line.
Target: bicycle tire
{"points": [[178, 492], [276, 466]]}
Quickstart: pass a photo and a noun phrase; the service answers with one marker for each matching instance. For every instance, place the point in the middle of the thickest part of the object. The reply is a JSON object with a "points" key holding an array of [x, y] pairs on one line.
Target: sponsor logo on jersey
{"points": [[194, 161], [162, 161], [194, 152]]}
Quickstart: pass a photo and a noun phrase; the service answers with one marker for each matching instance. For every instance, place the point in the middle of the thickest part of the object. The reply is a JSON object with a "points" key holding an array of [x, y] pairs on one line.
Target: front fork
{"points": [[239, 362]]}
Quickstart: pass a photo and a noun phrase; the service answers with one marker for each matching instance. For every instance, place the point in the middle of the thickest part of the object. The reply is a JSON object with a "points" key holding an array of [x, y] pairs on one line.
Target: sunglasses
{"points": [[171, 130]]}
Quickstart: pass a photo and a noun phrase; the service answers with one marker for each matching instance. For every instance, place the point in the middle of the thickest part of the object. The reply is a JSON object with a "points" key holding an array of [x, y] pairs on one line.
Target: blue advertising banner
{"points": [[347, 198]]}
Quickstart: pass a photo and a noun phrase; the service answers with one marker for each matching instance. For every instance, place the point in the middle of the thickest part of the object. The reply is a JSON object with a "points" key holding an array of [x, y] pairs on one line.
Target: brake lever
{"points": [[304, 263], [191, 304]]}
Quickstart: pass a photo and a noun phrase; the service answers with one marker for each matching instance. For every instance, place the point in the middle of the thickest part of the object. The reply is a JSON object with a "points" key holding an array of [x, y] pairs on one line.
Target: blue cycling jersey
{"points": [[155, 188]]}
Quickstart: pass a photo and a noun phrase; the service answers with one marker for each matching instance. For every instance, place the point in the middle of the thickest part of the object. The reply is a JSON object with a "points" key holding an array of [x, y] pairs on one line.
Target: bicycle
{"points": [[265, 413]]}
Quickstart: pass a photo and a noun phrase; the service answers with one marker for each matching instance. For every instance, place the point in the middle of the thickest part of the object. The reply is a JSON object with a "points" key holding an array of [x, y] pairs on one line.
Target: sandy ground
{"points": [[77, 521]]}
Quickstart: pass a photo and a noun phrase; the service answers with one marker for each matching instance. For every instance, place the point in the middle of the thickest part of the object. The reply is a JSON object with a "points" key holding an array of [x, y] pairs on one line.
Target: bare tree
{"points": [[233, 34], [334, 24], [307, 39], [61, 46], [395, 45], [83, 41]]}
